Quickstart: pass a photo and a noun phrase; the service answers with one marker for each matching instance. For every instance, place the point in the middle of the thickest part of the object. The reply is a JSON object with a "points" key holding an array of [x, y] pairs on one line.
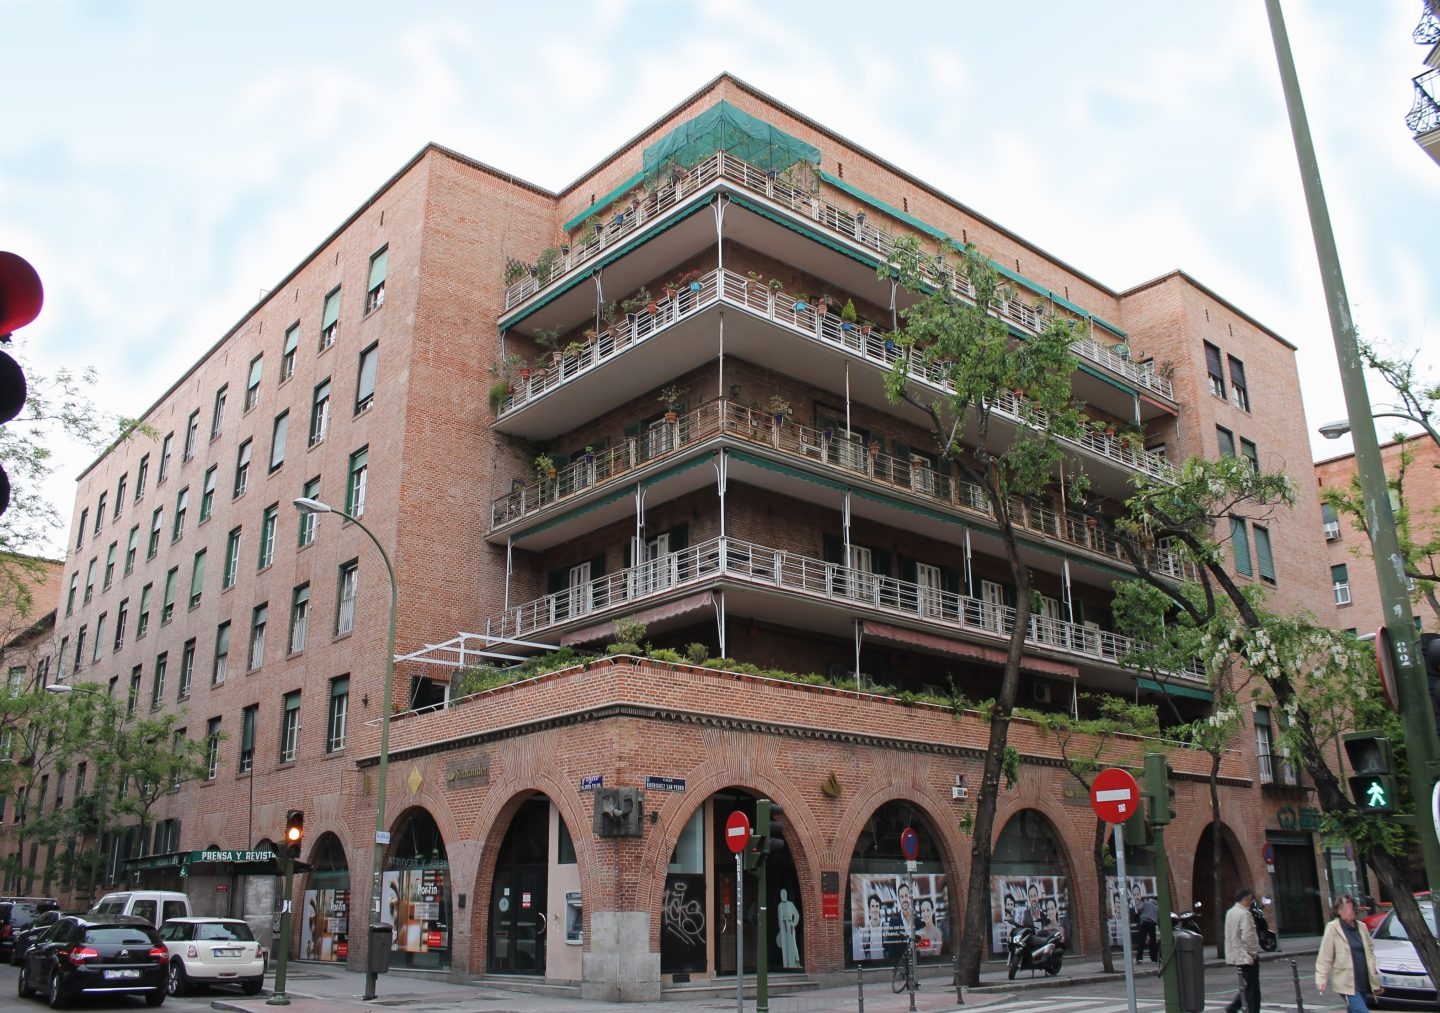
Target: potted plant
{"points": [[865, 326], [802, 303], [589, 454], [779, 408], [692, 280], [589, 335], [545, 264], [644, 298], [776, 285], [672, 290], [499, 392], [847, 316], [631, 307], [548, 338], [591, 229], [576, 347], [822, 305], [859, 222], [671, 397], [544, 466]]}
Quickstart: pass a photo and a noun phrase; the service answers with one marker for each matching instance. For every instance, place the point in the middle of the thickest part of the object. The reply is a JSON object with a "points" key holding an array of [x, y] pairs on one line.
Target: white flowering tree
{"points": [[1321, 681]]}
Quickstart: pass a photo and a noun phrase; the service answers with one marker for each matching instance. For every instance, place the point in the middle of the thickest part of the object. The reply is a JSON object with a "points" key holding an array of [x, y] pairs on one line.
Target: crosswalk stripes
{"points": [[1075, 1004]]}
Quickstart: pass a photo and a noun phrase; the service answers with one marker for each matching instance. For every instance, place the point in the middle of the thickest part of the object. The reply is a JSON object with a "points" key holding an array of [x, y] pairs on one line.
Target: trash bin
{"points": [[377, 959], [1190, 957]]}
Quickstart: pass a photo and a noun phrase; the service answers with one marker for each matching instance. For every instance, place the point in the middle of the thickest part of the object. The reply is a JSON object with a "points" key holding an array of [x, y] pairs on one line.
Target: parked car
{"points": [[34, 931], [79, 956], [1401, 972], [15, 914], [212, 951], [153, 906]]}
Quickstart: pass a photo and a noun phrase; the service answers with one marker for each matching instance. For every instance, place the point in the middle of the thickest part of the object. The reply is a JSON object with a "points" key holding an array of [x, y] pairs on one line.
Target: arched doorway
{"points": [[1212, 908], [536, 924], [1029, 879], [415, 894], [325, 914], [883, 896], [1123, 903], [684, 940]]}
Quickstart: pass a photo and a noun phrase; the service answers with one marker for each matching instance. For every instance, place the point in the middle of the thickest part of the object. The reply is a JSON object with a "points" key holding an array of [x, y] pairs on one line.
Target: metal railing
{"points": [[816, 579], [822, 448], [867, 343], [1424, 115], [854, 226], [1279, 770]]}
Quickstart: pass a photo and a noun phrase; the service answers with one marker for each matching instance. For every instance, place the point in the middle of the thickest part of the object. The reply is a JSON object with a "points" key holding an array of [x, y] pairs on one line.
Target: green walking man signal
{"points": [[1372, 781]]}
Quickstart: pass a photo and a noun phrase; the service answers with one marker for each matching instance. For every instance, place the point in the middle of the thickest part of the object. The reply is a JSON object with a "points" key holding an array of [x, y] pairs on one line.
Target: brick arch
{"points": [[1079, 886]]}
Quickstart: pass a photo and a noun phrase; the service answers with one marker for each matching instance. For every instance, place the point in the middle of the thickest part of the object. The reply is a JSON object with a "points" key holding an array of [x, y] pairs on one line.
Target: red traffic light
{"points": [[21, 294]]}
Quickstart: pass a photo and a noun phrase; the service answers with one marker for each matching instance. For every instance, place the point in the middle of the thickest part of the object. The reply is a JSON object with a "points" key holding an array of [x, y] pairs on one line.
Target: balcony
{"points": [[849, 459], [1424, 116], [829, 588], [1277, 771], [760, 303], [853, 227]]}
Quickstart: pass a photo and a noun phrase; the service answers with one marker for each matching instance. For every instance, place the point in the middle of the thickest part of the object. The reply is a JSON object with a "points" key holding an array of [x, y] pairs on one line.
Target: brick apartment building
{"points": [[1354, 586], [827, 538]]}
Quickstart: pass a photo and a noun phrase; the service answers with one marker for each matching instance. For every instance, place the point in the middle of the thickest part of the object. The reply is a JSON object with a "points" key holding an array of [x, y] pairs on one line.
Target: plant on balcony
{"points": [[545, 466], [590, 231], [514, 270], [499, 391], [546, 261], [576, 347], [847, 316], [671, 397], [776, 284], [780, 409], [548, 338], [629, 633]]}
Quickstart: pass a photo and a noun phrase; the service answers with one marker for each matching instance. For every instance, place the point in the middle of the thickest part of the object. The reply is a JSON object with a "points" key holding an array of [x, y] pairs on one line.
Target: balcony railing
{"points": [[1278, 770], [749, 563], [868, 344], [1424, 115], [853, 226], [814, 448]]}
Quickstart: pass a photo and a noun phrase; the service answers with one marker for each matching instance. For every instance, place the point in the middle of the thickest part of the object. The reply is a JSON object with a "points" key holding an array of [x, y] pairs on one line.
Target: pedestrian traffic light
{"points": [[1372, 778], [1159, 793], [21, 296], [294, 831], [765, 839]]}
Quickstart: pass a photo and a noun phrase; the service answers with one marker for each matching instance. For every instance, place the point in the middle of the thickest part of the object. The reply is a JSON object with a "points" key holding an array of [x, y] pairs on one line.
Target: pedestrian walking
{"points": [[1149, 930], [1346, 961], [1242, 950]]}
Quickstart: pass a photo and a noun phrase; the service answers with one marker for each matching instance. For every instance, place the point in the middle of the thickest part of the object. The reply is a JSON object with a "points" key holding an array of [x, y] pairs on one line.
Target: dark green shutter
{"points": [[833, 548], [679, 537], [597, 566]]}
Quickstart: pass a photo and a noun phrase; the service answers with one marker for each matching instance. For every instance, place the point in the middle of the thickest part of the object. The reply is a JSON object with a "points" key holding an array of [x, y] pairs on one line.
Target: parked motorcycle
{"points": [[1032, 949], [1187, 922], [1269, 941]]}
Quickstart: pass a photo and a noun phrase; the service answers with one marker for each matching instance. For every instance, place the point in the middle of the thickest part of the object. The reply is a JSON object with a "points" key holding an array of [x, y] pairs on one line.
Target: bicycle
{"points": [[903, 973]]}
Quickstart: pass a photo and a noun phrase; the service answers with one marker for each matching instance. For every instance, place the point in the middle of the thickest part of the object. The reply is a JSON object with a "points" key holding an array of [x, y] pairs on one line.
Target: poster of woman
{"points": [[1041, 902], [885, 907], [325, 926]]}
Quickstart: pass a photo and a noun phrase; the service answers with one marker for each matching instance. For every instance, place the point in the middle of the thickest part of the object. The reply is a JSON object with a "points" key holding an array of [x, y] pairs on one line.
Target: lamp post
{"points": [[66, 689], [314, 506], [1421, 743]]}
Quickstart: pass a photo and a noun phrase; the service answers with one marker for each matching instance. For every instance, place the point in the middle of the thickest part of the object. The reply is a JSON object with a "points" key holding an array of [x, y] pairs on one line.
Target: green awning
{"points": [[604, 202], [263, 862], [1174, 689]]}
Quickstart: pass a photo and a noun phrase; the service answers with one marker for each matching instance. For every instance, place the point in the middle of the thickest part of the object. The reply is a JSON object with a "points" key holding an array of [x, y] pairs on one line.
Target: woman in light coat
{"points": [[1344, 946]]}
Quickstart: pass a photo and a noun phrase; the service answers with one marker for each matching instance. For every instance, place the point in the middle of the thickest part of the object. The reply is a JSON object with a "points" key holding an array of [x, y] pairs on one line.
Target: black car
{"points": [[78, 956], [16, 913], [34, 931]]}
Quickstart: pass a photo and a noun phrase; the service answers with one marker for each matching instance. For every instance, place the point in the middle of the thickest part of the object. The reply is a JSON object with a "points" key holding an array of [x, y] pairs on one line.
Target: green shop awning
{"points": [[263, 862], [723, 127], [1174, 689]]}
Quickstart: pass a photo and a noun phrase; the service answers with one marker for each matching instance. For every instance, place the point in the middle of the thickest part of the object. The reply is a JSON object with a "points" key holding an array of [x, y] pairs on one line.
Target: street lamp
{"points": [[313, 506], [65, 689], [1338, 428]]}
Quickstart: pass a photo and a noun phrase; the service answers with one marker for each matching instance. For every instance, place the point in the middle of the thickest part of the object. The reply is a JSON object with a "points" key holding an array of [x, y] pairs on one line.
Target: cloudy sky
{"points": [[163, 164]]}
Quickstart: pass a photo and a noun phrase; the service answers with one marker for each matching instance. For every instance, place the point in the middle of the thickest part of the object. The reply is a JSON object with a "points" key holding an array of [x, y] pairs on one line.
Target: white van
{"points": [[154, 906]]}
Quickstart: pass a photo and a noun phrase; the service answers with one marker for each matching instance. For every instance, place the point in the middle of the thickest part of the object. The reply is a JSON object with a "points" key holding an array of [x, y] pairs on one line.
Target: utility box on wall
{"points": [[619, 812]]}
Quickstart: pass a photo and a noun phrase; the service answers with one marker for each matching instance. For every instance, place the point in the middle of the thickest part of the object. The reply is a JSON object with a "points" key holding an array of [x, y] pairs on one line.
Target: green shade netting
{"points": [[723, 127]]}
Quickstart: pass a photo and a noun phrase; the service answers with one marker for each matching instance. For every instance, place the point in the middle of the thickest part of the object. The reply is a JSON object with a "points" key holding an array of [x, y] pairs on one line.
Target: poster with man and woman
{"points": [[1124, 913], [1042, 902], [883, 904]]}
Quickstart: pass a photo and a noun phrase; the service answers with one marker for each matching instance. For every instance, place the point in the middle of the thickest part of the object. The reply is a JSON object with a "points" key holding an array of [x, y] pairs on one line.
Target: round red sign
{"points": [[910, 843], [737, 831], [1114, 795]]}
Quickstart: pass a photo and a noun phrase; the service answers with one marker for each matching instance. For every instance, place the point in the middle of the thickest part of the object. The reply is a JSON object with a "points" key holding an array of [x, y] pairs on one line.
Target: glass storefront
{"points": [[325, 917], [883, 897], [415, 895]]}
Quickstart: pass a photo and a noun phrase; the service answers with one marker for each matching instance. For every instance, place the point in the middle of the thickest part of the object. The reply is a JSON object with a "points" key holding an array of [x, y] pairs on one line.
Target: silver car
{"points": [[1401, 973], [212, 951]]}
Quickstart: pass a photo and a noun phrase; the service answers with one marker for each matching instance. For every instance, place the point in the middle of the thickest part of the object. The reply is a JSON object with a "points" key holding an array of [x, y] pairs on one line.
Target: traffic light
{"points": [[1372, 778], [1159, 793], [294, 831], [21, 296], [764, 840]]}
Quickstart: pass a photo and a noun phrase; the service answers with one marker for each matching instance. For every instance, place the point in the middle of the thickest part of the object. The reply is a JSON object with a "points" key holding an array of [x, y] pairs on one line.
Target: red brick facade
{"points": [[752, 515]]}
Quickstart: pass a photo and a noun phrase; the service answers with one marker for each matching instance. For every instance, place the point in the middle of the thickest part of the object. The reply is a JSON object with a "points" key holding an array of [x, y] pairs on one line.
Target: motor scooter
{"points": [[1269, 941], [1187, 922], [1035, 949]]}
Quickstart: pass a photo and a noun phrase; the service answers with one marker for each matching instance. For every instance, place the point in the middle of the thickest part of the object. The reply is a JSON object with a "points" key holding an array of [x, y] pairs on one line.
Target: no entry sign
{"points": [[737, 831], [910, 843], [1114, 795]]}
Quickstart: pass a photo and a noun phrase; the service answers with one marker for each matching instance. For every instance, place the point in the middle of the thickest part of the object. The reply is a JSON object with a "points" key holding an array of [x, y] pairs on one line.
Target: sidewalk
{"points": [[317, 988]]}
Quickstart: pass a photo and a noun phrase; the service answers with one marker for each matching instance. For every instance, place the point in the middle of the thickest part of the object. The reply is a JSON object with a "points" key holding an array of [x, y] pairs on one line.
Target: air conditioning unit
{"points": [[1332, 531], [1040, 692]]}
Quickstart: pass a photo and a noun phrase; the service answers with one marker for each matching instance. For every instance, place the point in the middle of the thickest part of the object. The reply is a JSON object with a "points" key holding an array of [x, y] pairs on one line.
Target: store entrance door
{"points": [[1297, 886], [517, 920]]}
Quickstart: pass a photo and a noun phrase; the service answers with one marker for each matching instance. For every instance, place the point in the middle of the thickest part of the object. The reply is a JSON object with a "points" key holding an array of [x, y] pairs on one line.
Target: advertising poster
{"points": [[325, 925], [1038, 901], [413, 903], [881, 905], [1125, 911]]}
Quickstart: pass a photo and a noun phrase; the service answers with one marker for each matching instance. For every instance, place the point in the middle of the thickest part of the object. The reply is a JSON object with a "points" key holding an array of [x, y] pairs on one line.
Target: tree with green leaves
{"points": [[153, 759], [1112, 735], [959, 365], [1317, 678]]}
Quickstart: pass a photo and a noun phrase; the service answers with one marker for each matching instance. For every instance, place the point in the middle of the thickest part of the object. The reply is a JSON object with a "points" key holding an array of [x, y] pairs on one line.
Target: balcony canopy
{"points": [[723, 127]]}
